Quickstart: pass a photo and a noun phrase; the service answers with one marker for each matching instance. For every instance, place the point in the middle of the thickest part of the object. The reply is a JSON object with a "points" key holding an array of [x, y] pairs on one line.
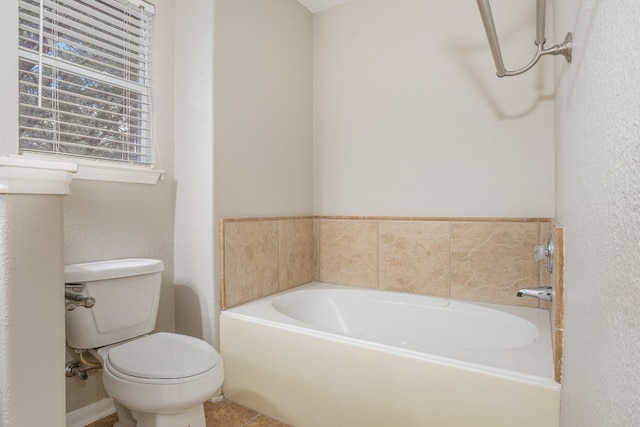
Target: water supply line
{"points": [[565, 48], [81, 367]]}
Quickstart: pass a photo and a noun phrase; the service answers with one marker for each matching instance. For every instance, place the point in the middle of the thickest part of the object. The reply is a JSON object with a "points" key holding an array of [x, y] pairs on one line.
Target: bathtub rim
{"points": [[281, 321]]}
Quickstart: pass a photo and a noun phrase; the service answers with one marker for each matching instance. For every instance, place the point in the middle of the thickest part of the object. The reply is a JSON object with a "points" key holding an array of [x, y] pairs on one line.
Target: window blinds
{"points": [[84, 79]]}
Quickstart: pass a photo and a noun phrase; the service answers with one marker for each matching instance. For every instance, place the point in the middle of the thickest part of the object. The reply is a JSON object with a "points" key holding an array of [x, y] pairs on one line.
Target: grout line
{"points": [[450, 257], [278, 267], [222, 283], [251, 420], [377, 254]]}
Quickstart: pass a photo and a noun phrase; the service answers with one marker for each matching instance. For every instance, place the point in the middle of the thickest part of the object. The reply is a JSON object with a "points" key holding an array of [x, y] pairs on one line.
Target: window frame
{"points": [[92, 168]]}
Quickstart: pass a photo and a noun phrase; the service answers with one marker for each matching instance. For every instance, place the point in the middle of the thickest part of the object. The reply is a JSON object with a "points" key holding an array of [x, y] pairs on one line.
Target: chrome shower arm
{"points": [[541, 11], [494, 44]]}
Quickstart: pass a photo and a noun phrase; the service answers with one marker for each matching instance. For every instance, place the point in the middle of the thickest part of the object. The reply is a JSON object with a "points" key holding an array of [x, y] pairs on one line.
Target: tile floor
{"points": [[219, 414]]}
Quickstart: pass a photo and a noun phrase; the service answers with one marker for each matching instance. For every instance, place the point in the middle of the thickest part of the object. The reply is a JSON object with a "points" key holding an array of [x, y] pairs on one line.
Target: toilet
{"points": [[155, 379]]}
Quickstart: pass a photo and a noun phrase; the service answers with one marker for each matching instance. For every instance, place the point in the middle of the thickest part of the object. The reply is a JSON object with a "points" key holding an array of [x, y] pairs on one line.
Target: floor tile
{"points": [[217, 414], [227, 414], [263, 421], [105, 422]]}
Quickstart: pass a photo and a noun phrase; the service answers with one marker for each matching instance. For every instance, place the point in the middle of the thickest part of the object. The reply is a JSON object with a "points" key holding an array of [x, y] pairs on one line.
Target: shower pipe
{"points": [[490, 28]]}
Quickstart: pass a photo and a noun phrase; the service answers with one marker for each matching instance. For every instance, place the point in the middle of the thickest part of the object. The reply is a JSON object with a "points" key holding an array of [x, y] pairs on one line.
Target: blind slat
{"points": [[58, 23], [94, 90], [124, 101], [133, 58], [106, 159], [85, 72], [70, 136], [124, 157], [121, 26], [68, 39], [145, 123]]}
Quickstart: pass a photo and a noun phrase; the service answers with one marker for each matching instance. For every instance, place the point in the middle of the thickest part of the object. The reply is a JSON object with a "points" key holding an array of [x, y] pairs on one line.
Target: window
{"points": [[84, 79]]}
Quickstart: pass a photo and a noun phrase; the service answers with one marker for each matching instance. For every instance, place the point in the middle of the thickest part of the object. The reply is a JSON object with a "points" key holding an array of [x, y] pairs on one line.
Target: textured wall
{"points": [[598, 201], [31, 311]]}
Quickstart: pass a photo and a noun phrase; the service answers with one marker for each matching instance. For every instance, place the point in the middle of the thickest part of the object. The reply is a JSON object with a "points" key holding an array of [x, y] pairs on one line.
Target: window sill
{"points": [[98, 171], [32, 176]]}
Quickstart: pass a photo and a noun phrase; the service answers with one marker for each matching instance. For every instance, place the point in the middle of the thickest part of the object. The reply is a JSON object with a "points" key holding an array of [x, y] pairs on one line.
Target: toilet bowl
{"points": [[161, 379], [155, 379]]}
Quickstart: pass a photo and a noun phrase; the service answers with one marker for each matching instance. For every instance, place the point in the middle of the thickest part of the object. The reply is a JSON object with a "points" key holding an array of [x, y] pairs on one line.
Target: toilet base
{"points": [[191, 417]]}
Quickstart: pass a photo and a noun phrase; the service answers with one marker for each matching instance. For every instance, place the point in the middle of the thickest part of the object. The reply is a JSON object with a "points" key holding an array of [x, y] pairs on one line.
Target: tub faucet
{"points": [[543, 293]]}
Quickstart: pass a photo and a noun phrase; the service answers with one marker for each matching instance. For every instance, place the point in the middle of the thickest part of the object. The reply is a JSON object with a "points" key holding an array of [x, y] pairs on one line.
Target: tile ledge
{"points": [[385, 218]]}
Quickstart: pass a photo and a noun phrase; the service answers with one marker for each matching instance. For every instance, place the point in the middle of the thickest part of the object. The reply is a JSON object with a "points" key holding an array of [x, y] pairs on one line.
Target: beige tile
{"points": [[251, 260], [297, 262], [414, 257], [348, 252], [109, 421], [557, 279], [316, 249], [263, 421], [557, 306], [491, 261], [217, 414], [227, 414], [558, 354]]}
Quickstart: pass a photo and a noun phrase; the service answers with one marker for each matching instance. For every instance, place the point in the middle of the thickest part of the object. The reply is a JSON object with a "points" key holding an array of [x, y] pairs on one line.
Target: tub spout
{"points": [[543, 293]]}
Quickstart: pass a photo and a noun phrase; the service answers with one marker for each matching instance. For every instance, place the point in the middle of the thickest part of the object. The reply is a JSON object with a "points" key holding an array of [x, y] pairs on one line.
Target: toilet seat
{"points": [[162, 358]]}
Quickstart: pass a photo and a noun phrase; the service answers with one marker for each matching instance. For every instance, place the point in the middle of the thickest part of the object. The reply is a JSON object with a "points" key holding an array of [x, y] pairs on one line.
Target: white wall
{"points": [[263, 108], [194, 257], [410, 119], [598, 200]]}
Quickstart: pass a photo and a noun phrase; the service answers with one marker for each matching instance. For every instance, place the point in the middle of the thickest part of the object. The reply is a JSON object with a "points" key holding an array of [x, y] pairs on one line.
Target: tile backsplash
{"points": [[484, 260], [263, 256]]}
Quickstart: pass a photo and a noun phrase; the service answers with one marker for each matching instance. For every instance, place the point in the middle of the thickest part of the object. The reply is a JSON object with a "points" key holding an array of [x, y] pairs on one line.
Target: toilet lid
{"points": [[163, 356]]}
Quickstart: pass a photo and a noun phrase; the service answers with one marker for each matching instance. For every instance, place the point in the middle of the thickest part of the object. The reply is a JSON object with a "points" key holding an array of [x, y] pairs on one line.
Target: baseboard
{"points": [[90, 413]]}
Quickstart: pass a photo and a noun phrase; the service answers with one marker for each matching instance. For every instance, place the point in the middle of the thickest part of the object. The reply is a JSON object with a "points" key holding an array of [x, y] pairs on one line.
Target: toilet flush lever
{"points": [[74, 299]]}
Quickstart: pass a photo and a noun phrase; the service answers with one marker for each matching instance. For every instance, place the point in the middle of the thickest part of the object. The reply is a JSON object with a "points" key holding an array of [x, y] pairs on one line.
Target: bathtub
{"points": [[326, 355]]}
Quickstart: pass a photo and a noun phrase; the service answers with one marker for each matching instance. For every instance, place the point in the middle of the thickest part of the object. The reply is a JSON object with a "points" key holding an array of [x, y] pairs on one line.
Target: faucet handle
{"points": [[541, 252]]}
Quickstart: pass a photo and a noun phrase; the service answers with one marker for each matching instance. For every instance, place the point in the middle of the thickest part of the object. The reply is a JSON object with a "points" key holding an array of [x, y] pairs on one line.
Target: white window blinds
{"points": [[84, 79]]}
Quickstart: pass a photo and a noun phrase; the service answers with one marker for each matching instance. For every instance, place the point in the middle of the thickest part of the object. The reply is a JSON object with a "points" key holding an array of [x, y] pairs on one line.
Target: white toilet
{"points": [[155, 380]]}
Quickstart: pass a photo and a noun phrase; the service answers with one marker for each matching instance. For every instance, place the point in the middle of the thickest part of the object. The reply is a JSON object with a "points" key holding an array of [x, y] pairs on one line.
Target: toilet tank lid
{"points": [[111, 269]]}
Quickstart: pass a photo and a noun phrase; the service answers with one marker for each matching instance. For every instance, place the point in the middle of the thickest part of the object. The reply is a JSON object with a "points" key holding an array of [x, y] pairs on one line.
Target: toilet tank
{"points": [[126, 293]]}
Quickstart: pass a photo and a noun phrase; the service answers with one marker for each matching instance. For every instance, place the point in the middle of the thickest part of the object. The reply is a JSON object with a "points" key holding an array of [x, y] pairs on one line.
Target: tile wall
{"points": [[262, 256], [485, 260], [470, 259], [556, 311]]}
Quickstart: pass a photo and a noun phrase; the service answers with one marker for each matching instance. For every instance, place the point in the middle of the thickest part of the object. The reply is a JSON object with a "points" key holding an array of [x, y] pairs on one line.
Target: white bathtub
{"points": [[326, 355]]}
